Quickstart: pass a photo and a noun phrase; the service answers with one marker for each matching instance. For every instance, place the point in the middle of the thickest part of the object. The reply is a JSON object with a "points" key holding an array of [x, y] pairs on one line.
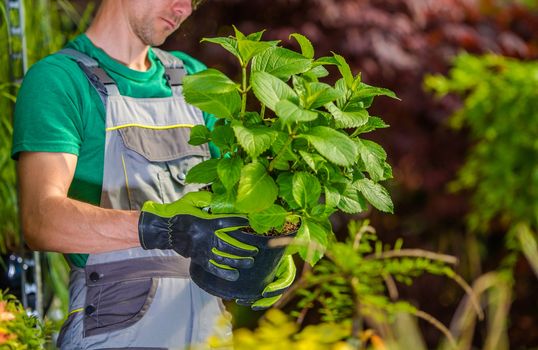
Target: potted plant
{"points": [[293, 160]]}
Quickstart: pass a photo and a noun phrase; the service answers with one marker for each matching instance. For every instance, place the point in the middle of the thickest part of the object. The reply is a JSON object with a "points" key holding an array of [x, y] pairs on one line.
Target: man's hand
{"points": [[194, 233], [284, 277]]}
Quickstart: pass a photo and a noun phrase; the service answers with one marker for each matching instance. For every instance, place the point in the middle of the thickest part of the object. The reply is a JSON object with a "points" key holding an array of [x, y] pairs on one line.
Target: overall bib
{"points": [[135, 298]]}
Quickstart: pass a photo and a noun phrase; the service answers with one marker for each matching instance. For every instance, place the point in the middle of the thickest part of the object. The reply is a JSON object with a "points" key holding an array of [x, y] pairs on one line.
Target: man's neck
{"points": [[111, 32]]}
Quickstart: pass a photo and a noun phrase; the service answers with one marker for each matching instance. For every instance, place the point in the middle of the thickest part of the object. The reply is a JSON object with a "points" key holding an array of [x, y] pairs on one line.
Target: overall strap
{"points": [[100, 80], [174, 69]]}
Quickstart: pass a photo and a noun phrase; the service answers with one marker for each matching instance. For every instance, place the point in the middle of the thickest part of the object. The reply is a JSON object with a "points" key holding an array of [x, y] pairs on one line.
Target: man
{"points": [[100, 134]]}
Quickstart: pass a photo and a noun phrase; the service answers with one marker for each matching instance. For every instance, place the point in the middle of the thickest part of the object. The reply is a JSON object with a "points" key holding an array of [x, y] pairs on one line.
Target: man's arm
{"points": [[53, 222]]}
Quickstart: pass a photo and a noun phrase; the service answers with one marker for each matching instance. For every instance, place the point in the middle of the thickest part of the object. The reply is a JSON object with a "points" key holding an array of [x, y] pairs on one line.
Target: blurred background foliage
{"points": [[18, 330], [501, 168], [462, 142], [8, 212], [49, 24]]}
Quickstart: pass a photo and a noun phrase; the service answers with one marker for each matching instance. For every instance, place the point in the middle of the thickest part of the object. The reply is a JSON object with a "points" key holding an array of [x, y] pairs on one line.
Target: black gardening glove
{"points": [[196, 234]]}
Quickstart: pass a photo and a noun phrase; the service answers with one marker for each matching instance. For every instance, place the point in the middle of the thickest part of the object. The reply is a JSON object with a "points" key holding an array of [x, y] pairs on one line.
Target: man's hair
{"points": [[196, 3]]}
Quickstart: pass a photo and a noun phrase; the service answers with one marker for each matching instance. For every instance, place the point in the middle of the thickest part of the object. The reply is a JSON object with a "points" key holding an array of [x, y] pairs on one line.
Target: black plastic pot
{"points": [[251, 281]]}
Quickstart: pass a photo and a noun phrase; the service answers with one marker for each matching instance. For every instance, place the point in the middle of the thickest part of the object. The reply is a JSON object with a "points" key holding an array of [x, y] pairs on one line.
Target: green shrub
{"points": [[48, 26], [500, 113], [500, 110]]}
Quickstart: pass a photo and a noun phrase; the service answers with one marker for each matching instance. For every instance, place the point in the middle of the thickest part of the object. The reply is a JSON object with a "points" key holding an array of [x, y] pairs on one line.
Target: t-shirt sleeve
{"points": [[48, 111], [192, 66]]}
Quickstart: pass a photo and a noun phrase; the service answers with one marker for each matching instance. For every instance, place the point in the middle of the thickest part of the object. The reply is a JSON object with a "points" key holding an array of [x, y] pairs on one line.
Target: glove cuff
{"points": [[153, 231]]}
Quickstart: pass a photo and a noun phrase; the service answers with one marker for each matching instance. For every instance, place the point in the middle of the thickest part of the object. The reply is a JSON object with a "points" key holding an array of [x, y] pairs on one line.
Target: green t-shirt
{"points": [[58, 110]]}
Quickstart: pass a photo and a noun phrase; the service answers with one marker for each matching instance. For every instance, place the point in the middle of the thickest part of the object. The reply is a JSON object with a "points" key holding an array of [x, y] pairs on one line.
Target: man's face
{"points": [[154, 20]]}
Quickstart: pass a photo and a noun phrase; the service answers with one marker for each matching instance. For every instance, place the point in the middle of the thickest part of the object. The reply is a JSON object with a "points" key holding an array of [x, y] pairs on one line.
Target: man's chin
{"points": [[156, 41]]}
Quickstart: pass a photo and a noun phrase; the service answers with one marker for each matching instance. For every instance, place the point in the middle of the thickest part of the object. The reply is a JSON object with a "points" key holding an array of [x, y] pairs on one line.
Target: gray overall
{"points": [[135, 298]]}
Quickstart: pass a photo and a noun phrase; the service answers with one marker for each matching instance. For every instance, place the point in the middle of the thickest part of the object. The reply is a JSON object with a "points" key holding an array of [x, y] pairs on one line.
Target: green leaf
{"points": [[230, 44], [299, 86], [306, 189], [223, 137], [327, 60], [200, 134], [270, 90], [373, 156], [376, 194], [249, 48], [218, 188], [375, 148], [347, 119], [281, 164], [322, 212], [387, 171], [306, 46], [255, 140], [344, 69], [365, 91], [265, 220], [229, 171], [314, 160], [212, 92], [285, 189], [238, 34], [211, 81], [204, 172], [290, 113], [319, 71], [340, 85], [332, 196], [351, 201], [223, 204], [356, 82], [222, 201], [281, 63], [372, 124], [257, 190], [287, 155], [334, 174], [252, 118], [335, 146], [314, 233], [320, 94], [256, 36]]}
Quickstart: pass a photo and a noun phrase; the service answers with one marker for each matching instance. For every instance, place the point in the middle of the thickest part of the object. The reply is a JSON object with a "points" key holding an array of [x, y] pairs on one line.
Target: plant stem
{"points": [[283, 149], [473, 298], [357, 325], [262, 111], [391, 286], [244, 91], [437, 324], [355, 133], [346, 104], [413, 253]]}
